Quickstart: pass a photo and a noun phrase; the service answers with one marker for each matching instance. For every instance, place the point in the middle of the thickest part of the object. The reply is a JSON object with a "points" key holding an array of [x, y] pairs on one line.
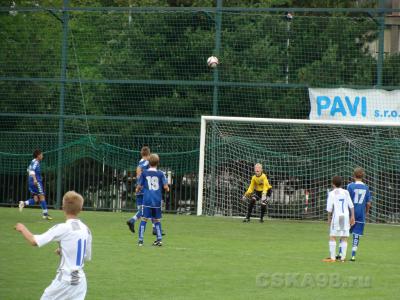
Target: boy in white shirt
{"points": [[340, 216], [75, 247]]}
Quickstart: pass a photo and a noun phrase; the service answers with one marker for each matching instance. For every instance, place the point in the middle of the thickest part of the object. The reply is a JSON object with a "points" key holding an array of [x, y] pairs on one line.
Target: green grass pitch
{"points": [[204, 258]]}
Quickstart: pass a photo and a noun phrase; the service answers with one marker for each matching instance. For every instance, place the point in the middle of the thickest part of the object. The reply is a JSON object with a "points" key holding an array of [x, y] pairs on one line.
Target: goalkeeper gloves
{"points": [[244, 198], [264, 199]]}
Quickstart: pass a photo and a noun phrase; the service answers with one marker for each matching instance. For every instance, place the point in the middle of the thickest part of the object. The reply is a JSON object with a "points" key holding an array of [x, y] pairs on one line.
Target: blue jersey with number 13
{"points": [[152, 182], [360, 195]]}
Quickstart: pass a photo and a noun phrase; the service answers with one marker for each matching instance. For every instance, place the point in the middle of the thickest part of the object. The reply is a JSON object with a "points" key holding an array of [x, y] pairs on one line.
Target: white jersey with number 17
{"points": [[339, 204]]}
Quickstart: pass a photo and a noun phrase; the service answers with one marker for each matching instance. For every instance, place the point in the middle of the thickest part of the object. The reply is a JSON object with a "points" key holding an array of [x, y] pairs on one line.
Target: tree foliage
{"points": [[117, 61]]}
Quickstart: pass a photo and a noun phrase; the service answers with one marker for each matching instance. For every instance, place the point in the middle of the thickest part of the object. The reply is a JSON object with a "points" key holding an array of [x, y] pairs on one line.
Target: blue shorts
{"points": [[152, 212], [357, 228], [139, 200], [36, 189]]}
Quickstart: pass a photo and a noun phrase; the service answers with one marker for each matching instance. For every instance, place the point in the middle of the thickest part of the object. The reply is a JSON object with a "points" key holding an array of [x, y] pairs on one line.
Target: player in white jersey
{"points": [[340, 210], [75, 247]]}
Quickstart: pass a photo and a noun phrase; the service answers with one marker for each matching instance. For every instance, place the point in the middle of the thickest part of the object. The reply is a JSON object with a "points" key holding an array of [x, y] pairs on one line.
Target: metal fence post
{"points": [[64, 50], [381, 45], [379, 70], [218, 18]]}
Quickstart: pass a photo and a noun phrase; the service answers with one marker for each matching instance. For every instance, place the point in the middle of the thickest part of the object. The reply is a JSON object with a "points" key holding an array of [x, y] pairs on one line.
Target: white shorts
{"points": [[339, 232], [63, 290], [340, 226]]}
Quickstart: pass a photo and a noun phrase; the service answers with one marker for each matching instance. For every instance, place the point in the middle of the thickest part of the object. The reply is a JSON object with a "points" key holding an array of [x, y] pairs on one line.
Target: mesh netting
{"points": [[300, 160], [139, 77]]}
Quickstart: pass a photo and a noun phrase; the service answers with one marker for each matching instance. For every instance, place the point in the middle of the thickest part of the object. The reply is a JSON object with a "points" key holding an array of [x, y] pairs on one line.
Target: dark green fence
{"points": [[91, 85]]}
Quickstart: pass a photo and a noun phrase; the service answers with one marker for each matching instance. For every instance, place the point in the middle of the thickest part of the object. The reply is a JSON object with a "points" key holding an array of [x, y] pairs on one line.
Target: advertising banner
{"points": [[354, 105]]}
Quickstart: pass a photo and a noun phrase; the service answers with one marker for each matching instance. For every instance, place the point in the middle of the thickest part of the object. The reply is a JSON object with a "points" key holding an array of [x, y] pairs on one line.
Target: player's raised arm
{"points": [[26, 233]]}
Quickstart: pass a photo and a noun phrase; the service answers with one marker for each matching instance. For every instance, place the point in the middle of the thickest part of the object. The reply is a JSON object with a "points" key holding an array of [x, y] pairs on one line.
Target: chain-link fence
{"points": [[90, 86]]}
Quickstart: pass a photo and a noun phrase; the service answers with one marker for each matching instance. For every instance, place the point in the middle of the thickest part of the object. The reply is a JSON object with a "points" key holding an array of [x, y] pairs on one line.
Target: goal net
{"points": [[300, 157]]}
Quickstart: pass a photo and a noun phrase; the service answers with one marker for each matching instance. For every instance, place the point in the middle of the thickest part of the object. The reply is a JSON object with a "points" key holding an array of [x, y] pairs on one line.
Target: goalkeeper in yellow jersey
{"points": [[259, 190]]}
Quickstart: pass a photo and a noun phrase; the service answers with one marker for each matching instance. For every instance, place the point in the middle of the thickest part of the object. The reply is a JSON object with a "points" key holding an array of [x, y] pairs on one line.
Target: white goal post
{"points": [[300, 157]]}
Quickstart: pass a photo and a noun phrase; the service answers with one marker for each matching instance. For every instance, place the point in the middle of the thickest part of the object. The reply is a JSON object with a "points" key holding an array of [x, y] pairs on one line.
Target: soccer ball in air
{"points": [[212, 61]]}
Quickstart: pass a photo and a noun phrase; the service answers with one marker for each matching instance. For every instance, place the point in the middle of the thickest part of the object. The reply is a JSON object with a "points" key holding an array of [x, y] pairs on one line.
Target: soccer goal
{"points": [[300, 157]]}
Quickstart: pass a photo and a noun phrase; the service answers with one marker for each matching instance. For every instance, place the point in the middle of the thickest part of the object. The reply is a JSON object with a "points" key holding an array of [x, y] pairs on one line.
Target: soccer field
{"points": [[204, 258]]}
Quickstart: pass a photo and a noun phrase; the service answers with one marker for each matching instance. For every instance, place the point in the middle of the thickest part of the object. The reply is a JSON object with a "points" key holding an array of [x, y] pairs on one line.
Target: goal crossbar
{"points": [[299, 121]]}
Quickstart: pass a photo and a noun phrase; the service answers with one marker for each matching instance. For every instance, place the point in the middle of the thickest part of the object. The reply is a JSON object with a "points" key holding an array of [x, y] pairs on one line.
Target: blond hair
{"points": [[359, 173], [72, 203], [154, 159]]}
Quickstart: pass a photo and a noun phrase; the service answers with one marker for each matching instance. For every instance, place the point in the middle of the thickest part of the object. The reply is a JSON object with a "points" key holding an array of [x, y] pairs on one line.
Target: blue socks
{"points": [[356, 240], [158, 231], [142, 228], [43, 205]]}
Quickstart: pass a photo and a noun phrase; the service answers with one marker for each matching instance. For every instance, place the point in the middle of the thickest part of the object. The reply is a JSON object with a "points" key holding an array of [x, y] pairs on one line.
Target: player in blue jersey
{"points": [[36, 185], [361, 198], [152, 182], [142, 165]]}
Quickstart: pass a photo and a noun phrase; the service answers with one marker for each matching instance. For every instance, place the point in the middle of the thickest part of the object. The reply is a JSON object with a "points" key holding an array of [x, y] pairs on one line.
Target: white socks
{"points": [[332, 249], [344, 250]]}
